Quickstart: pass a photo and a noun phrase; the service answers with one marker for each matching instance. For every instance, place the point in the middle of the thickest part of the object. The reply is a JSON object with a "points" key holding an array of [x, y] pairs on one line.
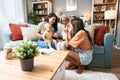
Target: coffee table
{"points": [[45, 68]]}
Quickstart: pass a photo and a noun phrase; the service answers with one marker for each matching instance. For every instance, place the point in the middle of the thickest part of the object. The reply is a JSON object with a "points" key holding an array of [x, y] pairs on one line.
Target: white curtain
{"points": [[14, 10], [117, 45], [11, 11], [118, 36]]}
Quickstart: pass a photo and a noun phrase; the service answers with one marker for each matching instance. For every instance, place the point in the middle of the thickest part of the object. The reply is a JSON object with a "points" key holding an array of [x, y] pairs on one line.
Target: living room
{"points": [[82, 8]]}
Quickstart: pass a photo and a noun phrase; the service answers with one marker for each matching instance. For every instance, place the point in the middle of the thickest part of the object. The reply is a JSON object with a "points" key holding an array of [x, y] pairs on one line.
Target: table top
{"points": [[45, 67]]}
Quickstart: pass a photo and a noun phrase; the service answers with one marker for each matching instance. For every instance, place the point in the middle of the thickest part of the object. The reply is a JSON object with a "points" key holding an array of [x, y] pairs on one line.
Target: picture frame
{"points": [[103, 8], [98, 1], [71, 5]]}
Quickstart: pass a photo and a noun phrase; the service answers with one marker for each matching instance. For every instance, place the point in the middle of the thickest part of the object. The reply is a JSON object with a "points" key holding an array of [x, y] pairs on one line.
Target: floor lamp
{"points": [[110, 15]]}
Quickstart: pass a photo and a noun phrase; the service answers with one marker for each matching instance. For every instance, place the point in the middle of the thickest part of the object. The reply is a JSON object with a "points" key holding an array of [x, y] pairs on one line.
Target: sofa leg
{"points": [[87, 67]]}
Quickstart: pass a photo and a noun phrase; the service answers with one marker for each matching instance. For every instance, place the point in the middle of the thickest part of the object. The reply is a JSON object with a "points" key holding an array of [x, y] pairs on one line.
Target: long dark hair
{"points": [[78, 25], [55, 24]]}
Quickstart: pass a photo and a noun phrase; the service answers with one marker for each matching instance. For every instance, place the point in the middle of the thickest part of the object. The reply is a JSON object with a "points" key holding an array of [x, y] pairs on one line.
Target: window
{"points": [[71, 5], [13, 10]]}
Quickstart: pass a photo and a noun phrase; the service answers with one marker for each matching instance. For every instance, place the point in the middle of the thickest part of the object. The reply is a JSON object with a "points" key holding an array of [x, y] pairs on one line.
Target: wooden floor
{"points": [[115, 69]]}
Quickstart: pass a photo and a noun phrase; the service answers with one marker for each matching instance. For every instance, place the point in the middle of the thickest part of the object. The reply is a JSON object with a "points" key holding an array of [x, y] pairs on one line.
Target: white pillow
{"points": [[29, 33], [91, 31]]}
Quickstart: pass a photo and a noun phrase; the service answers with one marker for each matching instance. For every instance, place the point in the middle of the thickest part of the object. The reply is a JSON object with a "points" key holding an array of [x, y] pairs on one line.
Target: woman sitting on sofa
{"points": [[51, 19], [64, 21], [80, 46]]}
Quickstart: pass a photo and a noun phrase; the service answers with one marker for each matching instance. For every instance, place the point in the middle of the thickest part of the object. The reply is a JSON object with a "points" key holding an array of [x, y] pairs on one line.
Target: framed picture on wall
{"points": [[98, 1], [71, 5]]}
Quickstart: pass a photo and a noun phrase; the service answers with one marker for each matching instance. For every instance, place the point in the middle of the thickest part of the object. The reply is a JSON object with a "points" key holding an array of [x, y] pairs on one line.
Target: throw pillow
{"points": [[99, 34], [90, 29], [29, 33], [16, 31]]}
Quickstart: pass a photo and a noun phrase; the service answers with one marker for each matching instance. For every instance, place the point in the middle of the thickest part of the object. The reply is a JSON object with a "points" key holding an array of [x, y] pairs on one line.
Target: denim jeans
{"points": [[42, 44]]}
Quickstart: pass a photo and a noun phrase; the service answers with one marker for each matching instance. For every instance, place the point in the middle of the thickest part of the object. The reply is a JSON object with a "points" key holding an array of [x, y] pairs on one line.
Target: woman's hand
{"points": [[55, 35], [67, 28], [70, 27]]}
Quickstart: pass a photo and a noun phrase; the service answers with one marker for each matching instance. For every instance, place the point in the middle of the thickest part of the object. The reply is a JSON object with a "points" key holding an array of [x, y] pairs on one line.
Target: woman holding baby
{"points": [[52, 20]]}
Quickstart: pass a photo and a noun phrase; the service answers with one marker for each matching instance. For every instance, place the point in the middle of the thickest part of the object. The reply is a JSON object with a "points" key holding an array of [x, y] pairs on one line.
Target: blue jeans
{"points": [[43, 44]]}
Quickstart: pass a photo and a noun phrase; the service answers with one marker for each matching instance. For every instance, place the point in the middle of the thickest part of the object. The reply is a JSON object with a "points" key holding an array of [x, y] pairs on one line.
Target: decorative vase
{"points": [[27, 64]]}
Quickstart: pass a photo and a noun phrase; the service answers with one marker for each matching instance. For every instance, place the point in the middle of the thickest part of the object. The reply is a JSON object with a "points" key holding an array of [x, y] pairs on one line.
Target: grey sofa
{"points": [[102, 55]]}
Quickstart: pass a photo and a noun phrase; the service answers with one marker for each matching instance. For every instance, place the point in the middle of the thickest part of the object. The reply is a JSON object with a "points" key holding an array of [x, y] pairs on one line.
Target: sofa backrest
{"points": [[90, 29], [97, 33]]}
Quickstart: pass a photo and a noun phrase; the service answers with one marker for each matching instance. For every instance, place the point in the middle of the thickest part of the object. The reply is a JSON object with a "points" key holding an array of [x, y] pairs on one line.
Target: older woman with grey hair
{"points": [[64, 21]]}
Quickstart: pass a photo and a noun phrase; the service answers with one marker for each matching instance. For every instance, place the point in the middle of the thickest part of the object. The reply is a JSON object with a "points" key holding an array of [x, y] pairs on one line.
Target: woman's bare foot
{"points": [[80, 69]]}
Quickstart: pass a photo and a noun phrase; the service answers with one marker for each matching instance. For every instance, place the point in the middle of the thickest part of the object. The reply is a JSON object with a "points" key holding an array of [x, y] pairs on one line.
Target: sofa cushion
{"points": [[98, 49], [16, 31], [12, 44], [90, 29], [60, 28], [99, 34], [7, 37], [29, 33]]}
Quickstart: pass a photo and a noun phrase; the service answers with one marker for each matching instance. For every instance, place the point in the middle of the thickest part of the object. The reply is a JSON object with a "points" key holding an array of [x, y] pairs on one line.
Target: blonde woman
{"points": [[64, 21]]}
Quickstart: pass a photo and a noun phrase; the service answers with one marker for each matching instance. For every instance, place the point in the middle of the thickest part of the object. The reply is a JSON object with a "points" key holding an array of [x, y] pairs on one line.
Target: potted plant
{"points": [[33, 18], [26, 51]]}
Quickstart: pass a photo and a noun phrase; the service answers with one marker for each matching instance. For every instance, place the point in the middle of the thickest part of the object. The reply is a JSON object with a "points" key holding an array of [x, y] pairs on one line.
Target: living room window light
{"points": [[14, 10], [11, 11]]}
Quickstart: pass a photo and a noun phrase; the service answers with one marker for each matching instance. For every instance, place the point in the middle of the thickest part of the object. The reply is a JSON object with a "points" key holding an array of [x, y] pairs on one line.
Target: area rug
{"points": [[89, 75]]}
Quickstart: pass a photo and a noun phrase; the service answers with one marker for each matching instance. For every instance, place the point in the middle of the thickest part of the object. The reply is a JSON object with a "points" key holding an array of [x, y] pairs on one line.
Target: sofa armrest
{"points": [[108, 40], [108, 44], [7, 37]]}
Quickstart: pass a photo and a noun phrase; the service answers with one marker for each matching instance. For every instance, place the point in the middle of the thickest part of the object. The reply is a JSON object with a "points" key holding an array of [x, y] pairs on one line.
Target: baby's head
{"points": [[48, 27]]}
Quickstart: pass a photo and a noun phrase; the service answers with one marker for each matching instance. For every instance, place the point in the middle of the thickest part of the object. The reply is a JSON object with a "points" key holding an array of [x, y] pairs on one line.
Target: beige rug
{"points": [[89, 75]]}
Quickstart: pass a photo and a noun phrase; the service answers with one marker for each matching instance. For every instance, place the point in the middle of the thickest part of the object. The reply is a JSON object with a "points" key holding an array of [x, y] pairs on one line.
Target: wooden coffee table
{"points": [[45, 68]]}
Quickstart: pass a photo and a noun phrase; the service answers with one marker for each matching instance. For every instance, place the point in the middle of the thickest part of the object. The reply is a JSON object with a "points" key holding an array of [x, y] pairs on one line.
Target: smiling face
{"points": [[52, 20], [64, 21]]}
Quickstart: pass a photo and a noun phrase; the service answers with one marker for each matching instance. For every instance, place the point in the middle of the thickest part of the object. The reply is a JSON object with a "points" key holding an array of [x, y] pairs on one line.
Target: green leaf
{"points": [[27, 49]]}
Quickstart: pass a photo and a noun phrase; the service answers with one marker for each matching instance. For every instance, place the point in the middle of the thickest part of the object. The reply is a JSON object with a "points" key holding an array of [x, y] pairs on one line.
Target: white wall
{"points": [[29, 7], [84, 7]]}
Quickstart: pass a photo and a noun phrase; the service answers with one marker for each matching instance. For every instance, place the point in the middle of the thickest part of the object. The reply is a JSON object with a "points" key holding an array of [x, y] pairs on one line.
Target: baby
{"points": [[47, 36]]}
